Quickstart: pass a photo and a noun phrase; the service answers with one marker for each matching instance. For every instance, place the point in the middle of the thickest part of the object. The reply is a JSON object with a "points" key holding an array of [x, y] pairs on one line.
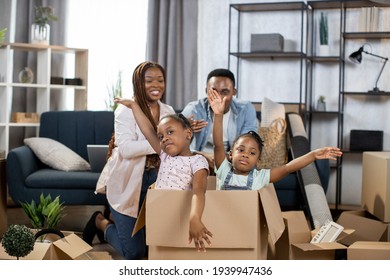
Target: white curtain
{"points": [[172, 42]]}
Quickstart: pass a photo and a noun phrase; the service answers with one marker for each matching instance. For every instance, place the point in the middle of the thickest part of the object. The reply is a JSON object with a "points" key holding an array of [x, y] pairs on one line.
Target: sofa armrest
{"points": [[21, 162], [323, 169]]}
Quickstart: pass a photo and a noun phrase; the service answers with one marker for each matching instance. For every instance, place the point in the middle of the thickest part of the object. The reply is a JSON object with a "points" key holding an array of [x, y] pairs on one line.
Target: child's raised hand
{"points": [[124, 101], [199, 233], [216, 101], [327, 153]]}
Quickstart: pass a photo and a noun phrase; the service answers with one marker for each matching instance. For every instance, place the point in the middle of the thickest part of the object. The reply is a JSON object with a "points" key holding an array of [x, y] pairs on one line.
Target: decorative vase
{"points": [[321, 106], [26, 76], [323, 50], [40, 34]]}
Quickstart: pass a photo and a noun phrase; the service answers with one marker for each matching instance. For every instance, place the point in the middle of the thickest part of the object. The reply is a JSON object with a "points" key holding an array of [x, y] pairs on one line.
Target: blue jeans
{"points": [[118, 235]]}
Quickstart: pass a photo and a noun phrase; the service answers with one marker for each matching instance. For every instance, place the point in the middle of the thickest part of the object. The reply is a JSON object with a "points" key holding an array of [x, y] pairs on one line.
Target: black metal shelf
{"points": [[332, 113], [259, 7], [268, 54], [366, 93], [335, 59], [366, 35]]}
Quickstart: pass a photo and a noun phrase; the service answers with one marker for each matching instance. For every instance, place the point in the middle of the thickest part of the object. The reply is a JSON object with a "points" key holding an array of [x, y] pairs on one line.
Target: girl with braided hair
{"points": [[180, 169], [134, 165], [238, 170]]}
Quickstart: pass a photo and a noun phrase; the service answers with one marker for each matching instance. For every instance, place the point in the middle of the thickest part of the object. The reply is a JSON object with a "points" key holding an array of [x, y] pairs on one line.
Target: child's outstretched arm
{"points": [[143, 122], [279, 172], [217, 103], [198, 232]]}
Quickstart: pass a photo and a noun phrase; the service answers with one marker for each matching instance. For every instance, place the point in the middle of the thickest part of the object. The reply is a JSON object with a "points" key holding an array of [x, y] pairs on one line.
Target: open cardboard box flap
{"points": [[366, 228], [68, 248], [229, 215], [295, 241]]}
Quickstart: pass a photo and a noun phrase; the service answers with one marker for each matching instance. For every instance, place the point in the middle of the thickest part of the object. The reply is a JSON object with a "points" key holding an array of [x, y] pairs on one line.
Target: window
{"points": [[114, 32]]}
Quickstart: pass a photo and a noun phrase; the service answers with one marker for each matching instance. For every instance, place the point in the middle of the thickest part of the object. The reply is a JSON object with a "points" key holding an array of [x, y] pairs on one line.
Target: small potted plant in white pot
{"points": [[40, 29], [321, 104]]}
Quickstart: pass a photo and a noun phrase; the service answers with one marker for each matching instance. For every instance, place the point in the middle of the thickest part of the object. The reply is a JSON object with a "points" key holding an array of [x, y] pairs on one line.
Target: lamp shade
{"points": [[356, 56]]}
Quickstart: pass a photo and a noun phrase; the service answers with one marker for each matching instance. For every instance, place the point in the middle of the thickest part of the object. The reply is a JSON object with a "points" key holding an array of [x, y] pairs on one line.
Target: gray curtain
{"points": [[172, 42], [24, 100]]}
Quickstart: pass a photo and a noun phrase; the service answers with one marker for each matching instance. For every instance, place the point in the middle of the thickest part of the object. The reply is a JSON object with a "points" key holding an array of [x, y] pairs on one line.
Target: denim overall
{"points": [[228, 187]]}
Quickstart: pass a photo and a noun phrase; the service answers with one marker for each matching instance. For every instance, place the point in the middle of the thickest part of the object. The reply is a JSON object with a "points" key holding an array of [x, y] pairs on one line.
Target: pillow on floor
{"points": [[56, 155]]}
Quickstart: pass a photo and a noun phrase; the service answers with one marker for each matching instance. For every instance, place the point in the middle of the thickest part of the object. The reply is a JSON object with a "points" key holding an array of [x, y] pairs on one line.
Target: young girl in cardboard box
{"points": [[180, 169], [238, 171]]}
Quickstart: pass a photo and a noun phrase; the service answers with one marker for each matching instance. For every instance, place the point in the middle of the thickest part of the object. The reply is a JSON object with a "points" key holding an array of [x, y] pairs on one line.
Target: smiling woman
{"points": [[114, 32]]}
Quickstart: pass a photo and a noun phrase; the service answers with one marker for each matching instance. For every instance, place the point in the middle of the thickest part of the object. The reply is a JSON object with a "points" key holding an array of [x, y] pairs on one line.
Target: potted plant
{"points": [[18, 241], [40, 29], [45, 215], [321, 104], [2, 34], [114, 91]]}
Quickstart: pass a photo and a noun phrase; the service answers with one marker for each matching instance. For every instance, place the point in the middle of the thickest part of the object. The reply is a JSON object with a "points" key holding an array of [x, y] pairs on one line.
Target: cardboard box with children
{"points": [[239, 220]]}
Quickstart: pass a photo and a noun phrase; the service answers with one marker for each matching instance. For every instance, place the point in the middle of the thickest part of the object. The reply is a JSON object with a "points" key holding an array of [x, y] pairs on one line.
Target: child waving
{"points": [[237, 170]]}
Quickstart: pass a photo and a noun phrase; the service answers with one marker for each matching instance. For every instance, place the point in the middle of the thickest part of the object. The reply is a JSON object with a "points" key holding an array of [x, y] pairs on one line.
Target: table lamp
{"points": [[357, 58]]}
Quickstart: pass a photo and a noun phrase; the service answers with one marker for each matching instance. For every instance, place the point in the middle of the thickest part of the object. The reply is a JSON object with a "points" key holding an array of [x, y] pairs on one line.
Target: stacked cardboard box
{"points": [[372, 226]]}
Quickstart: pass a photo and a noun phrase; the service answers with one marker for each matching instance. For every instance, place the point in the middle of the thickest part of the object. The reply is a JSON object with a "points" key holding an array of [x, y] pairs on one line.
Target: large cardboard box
{"points": [[70, 247], [294, 244], [366, 227], [376, 184], [239, 220], [369, 250]]}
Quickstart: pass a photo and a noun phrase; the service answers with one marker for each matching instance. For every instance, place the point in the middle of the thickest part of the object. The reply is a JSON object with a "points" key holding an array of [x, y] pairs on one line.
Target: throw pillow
{"points": [[56, 155], [273, 133], [271, 111]]}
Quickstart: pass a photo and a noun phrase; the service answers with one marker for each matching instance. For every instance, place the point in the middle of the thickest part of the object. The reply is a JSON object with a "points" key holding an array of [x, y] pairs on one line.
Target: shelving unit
{"points": [[338, 59], [240, 57], [41, 85]]}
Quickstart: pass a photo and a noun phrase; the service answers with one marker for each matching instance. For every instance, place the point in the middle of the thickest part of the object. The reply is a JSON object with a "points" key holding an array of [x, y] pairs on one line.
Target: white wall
{"points": [[361, 112]]}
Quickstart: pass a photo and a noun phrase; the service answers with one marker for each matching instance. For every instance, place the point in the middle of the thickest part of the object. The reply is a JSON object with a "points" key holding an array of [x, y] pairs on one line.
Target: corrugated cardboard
{"points": [[239, 220], [140, 223], [365, 226], [376, 184], [295, 244], [369, 250], [68, 248]]}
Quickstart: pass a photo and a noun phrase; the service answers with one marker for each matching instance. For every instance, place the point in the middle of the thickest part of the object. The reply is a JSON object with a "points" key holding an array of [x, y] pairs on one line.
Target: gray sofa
{"points": [[28, 177]]}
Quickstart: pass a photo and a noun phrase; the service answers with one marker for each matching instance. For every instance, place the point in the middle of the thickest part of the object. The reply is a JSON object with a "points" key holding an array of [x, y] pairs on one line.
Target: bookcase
{"points": [[45, 86], [347, 87]]}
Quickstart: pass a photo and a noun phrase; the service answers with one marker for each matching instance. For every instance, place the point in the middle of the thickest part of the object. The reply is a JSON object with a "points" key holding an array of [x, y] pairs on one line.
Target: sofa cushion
{"points": [[56, 155], [77, 129], [51, 178]]}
